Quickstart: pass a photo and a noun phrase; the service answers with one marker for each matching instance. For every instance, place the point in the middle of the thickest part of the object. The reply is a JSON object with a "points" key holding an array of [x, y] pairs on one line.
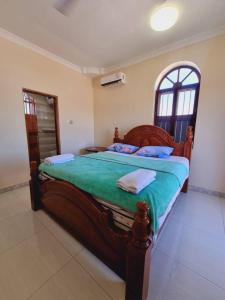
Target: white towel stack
{"points": [[136, 181], [59, 159]]}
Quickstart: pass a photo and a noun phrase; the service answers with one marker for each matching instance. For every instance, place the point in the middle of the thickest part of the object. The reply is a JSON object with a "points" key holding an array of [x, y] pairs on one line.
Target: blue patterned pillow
{"points": [[155, 151], [122, 148]]}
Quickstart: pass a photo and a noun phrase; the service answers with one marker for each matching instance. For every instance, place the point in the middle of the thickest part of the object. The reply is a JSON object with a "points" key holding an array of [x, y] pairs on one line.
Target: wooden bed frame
{"points": [[125, 252]]}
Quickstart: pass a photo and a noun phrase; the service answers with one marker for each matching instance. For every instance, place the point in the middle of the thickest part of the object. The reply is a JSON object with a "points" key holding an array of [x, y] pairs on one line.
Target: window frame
{"points": [[177, 87]]}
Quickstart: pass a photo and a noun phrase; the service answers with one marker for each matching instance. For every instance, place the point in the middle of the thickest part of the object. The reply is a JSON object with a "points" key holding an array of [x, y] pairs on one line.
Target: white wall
{"points": [[23, 68], [133, 104]]}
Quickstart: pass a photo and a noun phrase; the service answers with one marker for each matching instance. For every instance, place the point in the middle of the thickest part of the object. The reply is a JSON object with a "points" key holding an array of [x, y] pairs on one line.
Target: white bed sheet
{"points": [[179, 159]]}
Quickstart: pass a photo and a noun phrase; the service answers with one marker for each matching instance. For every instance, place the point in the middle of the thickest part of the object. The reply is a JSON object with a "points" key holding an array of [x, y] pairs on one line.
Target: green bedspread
{"points": [[98, 173]]}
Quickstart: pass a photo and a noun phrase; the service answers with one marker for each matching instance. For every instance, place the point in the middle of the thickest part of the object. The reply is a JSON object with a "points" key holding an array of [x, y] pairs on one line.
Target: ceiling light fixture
{"points": [[164, 18]]}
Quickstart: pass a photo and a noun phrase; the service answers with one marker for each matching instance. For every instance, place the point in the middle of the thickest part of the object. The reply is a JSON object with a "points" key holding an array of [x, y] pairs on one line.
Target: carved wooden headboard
{"points": [[149, 135]]}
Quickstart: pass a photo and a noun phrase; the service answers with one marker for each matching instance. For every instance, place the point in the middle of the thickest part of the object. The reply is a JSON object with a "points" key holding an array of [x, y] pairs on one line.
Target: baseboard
{"points": [[13, 187], [206, 191]]}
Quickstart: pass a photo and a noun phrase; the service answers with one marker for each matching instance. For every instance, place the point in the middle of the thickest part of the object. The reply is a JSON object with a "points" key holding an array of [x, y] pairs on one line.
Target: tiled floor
{"points": [[40, 261]]}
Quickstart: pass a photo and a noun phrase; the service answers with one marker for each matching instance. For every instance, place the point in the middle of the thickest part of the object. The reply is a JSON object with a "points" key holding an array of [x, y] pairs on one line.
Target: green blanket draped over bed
{"points": [[98, 173]]}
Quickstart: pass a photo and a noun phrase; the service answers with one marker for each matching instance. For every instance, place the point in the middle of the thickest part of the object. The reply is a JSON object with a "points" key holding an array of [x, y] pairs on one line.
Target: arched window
{"points": [[177, 101]]}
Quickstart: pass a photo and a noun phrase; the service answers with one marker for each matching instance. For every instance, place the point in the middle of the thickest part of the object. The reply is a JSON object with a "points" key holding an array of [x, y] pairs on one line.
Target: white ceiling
{"points": [[105, 33]]}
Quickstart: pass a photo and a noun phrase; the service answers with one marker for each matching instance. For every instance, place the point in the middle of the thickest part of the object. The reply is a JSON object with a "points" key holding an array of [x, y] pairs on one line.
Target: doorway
{"points": [[42, 124]]}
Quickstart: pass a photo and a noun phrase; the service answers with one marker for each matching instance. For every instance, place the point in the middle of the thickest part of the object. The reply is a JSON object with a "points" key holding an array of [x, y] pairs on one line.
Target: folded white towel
{"points": [[58, 159], [136, 181]]}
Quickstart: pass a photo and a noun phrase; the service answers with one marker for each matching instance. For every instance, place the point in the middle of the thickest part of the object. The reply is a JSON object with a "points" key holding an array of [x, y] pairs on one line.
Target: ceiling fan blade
{"points": [[64, 6]]}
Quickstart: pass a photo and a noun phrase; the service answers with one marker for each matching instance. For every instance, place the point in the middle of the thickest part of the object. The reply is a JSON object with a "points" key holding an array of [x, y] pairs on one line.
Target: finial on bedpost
{"points": [[116, 135], [140, 227], [189, 134], [188, 143], [187, 153]]}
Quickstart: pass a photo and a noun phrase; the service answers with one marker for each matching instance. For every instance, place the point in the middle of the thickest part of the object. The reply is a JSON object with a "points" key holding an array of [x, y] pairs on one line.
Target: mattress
{"points": [[123, 218]]}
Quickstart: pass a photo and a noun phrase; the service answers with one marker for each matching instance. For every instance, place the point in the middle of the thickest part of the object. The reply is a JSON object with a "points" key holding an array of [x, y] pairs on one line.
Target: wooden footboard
{"points": [[125, 252]]}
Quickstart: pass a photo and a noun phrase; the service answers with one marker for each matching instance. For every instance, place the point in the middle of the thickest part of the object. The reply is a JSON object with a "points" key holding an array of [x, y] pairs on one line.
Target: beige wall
{"points": [[126, 106], [20, 67], [133, 103]]}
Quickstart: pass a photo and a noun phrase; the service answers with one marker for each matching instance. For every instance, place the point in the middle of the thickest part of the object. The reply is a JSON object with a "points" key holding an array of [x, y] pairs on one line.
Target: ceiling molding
{"points": [[95, 71], [88, 71], [175, 46], [22, 42]]}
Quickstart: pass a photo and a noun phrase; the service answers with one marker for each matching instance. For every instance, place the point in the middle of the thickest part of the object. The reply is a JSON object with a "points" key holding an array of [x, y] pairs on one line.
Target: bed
{"points": [[122, 237]]}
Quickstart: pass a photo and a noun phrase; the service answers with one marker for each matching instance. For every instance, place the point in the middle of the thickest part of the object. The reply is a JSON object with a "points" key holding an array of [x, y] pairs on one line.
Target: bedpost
{"points": [[187, 152], [188, 143], [138, 256], [116, 135], [34, 186]]}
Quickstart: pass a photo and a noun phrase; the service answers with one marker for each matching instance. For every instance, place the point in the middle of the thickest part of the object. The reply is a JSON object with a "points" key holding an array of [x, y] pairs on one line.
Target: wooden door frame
{"points": [[56, 114]]}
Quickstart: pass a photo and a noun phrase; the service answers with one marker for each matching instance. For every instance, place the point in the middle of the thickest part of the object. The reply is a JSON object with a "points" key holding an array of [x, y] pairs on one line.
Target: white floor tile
{"points": [[106, 278], [222, 204], [15, 229], [36, 255], [196, 249], [14, 202], [171, 280], [23, 192], [27, 266], [44, 218], [185, 284], [161, 269], [67, 240], [201, 211], [70, 283]]}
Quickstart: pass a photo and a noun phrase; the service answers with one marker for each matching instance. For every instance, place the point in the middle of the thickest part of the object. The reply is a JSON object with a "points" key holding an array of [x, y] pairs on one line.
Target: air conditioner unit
{"points": [[113, 79]]}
